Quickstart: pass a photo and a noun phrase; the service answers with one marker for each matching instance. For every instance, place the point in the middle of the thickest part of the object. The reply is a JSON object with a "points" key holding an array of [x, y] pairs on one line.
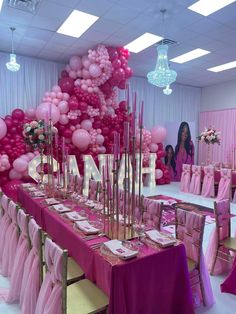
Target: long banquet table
{"points": [[155, 282]]}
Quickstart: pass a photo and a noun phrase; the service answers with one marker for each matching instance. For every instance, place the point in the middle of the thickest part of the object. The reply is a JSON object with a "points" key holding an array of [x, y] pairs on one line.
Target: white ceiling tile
{"points": [[97, 8], [54, 10], [121, 14]]}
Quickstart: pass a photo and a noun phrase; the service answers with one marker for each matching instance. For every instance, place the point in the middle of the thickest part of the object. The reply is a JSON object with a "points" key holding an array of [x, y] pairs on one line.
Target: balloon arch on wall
{"points": [[85, 111]]}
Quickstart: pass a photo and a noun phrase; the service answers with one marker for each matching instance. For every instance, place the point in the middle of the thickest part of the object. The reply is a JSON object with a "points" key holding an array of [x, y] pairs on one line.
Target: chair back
{"points": [[180, 222], [195, 184], [33, 270], [4, 202], [185, 178], [222, 216], [52, 295], [93, 189], [152, 212], [224, 188], [208, 189]]}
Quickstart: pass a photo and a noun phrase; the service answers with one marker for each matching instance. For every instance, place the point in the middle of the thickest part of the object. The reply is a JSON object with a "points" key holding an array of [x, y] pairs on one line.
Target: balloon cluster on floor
{"points": [[84, 109]]}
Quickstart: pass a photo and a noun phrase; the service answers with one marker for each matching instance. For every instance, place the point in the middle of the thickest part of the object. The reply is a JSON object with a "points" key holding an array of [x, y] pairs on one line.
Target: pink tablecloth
{"points": [[156, 282]]}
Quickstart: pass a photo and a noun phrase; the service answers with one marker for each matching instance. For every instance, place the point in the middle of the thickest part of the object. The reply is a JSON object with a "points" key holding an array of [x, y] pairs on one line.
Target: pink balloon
{"points": [[86, 125], [85, 74], [86, 62], [30, 112], [63, 106], [66, 96], [102, 150], [158, 134], [13, 174], [25, 157], [56, 89], [18, 114], [153, 148], [72, 74], [158, 174], [43, 111], [99, 139], [3, 129], [20, 165], [30, 155], [95, 70], [59, 95], [53, 95], [55, 101], [64, 119], [81, 138], [75, 63]]}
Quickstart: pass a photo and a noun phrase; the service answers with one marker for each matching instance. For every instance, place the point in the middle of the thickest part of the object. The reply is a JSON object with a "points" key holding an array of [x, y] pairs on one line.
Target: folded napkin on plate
{"points": [[90, 203], [60, 208], [116, 247], [161, 238], [32, 188], [121, 219], [86, 227], [27, 185], [38, 193], [51, 201], [75, 216]]}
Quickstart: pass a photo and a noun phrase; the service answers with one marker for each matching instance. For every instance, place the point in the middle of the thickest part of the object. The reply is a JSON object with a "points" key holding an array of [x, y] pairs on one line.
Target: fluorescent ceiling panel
{"points": [[77, 23], [1, 3], [142, 42], [194, 54], [223, 67], [207, 7]]}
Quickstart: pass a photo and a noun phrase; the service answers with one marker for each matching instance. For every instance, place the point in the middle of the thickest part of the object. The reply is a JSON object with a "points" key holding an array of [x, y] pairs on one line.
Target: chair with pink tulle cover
{"points": [[185, 178], [152, 212], [225, 184], [80, 182], [190, 229], [33, 270], [11, 240], [208, 188], [218, 255], [4, 223], [22, 252], [93, 190], [195, 184], [55, 297]]}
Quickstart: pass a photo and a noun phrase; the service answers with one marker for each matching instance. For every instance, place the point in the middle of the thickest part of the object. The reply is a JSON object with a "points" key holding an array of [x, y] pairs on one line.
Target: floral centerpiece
{"points": [[209, 136], [34, 134]]}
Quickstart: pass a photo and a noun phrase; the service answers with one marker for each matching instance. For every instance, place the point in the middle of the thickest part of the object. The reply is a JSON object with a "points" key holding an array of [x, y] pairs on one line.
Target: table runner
{"points": [[157, 282]]}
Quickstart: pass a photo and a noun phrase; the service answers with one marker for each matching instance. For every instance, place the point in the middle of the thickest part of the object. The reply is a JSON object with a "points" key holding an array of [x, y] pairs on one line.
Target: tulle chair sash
{"points": [[185, 178]]}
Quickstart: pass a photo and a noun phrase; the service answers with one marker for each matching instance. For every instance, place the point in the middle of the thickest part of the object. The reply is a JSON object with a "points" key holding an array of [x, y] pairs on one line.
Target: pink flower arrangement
{"points": [[209, 136], [34, 134]]}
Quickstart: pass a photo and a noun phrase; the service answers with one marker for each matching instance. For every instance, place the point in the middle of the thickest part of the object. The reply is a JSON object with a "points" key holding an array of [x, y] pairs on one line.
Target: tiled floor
{"points": [[225, 303]]}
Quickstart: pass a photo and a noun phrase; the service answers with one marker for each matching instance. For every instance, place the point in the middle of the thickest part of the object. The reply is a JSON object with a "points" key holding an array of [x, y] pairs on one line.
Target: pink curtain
{"points": [[4, 224], [225, 122]]}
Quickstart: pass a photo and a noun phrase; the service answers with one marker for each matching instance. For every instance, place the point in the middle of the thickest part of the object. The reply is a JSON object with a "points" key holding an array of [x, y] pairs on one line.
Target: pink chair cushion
{"points": [[224, 189]]}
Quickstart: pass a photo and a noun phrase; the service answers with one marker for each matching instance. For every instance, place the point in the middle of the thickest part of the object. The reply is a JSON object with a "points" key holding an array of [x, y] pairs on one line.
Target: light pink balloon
{"points": [[30, 155], [43, 111], [72, 74], [66, 96], [81, 138], [59, 95], [13, 174], [53, 95], [85, 74], [158, 174], [102, 149], [153, 148], [55, 101], [99, 139], [68, 68], [25, 157], [56, 89], [86, 62], [86, 125], [158, 134], [75, 63], [20, 165], [63, 106], [30, 112], [64, 119], [95, 70], [3, 128]]}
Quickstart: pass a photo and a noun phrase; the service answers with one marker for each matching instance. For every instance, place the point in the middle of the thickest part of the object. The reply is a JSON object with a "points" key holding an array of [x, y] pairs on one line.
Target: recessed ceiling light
{"points": [[77, 23], [1, 3], [207, 7], [196, 53], [223, 67], [142, 42]]}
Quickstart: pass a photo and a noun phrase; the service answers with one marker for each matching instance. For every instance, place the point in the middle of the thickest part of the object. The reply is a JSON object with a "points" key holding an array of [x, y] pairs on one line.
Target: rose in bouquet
{"points": [[34, 134], [209, 136]]}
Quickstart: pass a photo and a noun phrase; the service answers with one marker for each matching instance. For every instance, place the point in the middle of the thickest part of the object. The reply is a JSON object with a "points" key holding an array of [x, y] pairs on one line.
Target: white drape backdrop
{"points": [[26, 87]]}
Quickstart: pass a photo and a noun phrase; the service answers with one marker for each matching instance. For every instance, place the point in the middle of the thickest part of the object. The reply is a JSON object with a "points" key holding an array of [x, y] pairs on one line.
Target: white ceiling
{"points": [[120, 22]]}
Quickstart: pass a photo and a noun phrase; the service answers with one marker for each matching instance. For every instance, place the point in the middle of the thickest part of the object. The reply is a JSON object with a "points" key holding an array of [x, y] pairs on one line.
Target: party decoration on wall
{"points": [[84, 112]]}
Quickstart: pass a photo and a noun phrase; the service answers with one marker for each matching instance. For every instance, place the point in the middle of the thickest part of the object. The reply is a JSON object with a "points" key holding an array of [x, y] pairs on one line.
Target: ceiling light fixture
{"points": [[142, 42], [1, 3], [77, 23], [12, 65], [191, 55], [207, 7], [162, 76], [223, 67]]}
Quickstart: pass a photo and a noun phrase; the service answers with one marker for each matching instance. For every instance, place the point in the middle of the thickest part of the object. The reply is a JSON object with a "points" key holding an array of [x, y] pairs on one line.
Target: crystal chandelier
{"points": [[12, 65]]}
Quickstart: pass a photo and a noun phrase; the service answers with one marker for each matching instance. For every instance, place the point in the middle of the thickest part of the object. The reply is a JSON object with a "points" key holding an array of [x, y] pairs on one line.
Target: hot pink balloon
{"points": [[158, 134], [158, 174], [20, 165], [81, 138], [86, 125], [75, 63], [3, 129], [153, 148], [30, 112], [63, 106], [95, 70], [43, 111]]}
